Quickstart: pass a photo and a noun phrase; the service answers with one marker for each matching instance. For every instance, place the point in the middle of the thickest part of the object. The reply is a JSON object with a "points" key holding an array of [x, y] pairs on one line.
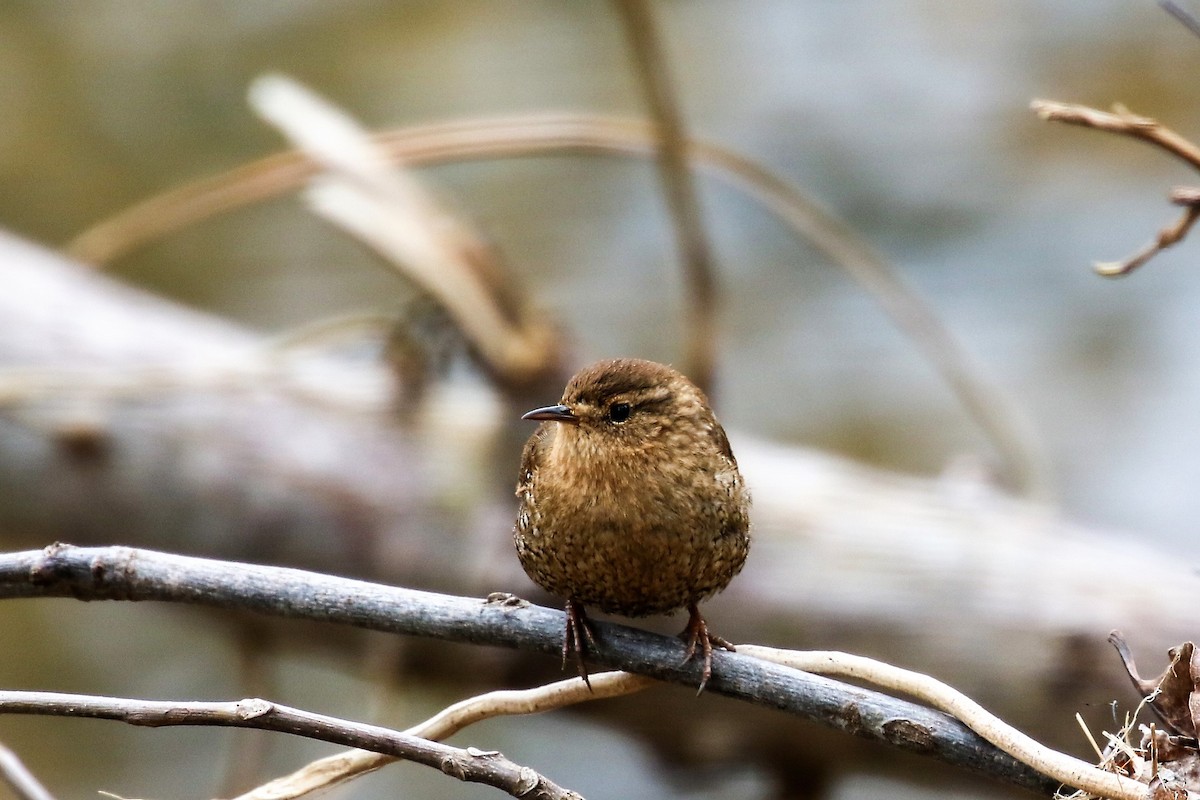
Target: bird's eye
{"points": [[619, 412]]}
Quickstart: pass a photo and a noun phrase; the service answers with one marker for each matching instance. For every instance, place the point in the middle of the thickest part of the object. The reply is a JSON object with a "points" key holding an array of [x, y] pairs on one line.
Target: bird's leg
{"points": [[696, 633], [578, 636]]}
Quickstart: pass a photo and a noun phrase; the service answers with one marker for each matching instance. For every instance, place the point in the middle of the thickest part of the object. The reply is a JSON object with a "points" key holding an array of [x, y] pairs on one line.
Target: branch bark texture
{"points": [[471, 765], [119, 573]]}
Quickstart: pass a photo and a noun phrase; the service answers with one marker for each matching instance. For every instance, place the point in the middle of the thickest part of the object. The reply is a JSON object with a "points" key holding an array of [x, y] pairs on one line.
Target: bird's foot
{"points": [[577, 637], [697, 634]]}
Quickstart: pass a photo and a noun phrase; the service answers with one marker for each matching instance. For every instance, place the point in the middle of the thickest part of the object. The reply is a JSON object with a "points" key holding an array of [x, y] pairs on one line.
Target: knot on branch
{"points": [[906, 733], [107, 576], [527, 782], [452, 766], [252, 708]]}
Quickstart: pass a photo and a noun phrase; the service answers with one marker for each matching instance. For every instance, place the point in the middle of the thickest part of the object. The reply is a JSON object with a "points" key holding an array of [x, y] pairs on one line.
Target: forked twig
{"points": [[1121, 121]]}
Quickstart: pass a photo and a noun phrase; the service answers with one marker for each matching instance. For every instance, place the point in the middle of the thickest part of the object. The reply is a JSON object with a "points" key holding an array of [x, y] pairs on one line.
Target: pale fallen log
{"points": [[127, 418]]}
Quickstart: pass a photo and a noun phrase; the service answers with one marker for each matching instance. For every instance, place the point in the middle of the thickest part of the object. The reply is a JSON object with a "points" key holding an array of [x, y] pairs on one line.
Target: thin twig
{"points": [[328, 772], [119, 573], [1168, 236], [508, 137], [1066, 769], [1182, 15], [1087, 733], [17, 777], [471, 765], [675, 174], [1121, 121], [249, 749]]}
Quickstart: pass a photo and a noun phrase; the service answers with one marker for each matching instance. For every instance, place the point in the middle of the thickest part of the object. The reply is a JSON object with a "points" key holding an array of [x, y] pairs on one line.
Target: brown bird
{"points": [[631, 502]]}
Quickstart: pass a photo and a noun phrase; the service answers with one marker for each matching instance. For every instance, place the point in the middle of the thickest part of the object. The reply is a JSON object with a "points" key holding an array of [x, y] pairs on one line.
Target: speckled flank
{"points": [[637, 517]]}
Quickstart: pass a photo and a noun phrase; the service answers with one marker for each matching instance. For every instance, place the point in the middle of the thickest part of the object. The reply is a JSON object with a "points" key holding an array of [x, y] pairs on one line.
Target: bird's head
{"points": [[629, 403]]}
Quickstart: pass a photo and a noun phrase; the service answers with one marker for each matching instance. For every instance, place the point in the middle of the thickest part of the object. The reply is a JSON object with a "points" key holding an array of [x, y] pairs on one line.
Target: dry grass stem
{"points": [[386, 207], [328, 332], [328, 772], [17, 777], [523, 136], [700, 276], [322, 381], [1067, 769], [1087, 734]]}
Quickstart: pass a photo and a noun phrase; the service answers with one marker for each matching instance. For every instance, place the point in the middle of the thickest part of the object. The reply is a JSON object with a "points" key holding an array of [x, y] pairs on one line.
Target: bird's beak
{"points": [[559, 413]]}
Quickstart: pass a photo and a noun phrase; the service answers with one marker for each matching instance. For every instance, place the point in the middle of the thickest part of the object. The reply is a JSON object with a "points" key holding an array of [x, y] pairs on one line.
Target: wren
{"points": [[631, 502]]}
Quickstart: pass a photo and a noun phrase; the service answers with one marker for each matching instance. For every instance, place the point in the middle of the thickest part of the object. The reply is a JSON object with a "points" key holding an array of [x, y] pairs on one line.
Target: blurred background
{"points": [[909, 120]]}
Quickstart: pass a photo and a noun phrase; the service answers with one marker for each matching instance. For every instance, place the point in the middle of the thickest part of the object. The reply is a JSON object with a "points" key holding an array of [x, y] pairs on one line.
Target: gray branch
{"points": [[476, 766], [119, 573]]}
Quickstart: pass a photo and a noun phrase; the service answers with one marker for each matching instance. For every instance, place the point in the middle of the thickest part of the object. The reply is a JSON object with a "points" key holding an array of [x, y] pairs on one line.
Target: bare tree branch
{"points": [[1168, 236], [1125, 123], [1120, 121], [472, 765], [119, 573]]}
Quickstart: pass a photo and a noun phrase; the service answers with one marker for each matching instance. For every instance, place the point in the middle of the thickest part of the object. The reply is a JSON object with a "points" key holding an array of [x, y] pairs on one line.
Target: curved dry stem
{"points": [[384, 205], [18, 778], [521, 136], [328, 772], [1067, 769]]}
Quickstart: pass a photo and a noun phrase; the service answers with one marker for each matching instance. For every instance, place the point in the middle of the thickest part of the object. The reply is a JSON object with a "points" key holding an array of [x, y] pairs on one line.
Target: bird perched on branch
{"points": [[631, 502]]}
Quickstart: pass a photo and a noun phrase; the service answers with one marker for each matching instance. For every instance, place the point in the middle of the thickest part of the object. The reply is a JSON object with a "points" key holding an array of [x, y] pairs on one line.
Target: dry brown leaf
{"points": [[1171, 693], [1173, 754]]}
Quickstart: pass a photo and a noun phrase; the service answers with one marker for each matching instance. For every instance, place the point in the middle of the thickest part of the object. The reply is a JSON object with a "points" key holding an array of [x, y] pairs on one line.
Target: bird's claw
{"points": [[577, 637], [697, 634]]}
